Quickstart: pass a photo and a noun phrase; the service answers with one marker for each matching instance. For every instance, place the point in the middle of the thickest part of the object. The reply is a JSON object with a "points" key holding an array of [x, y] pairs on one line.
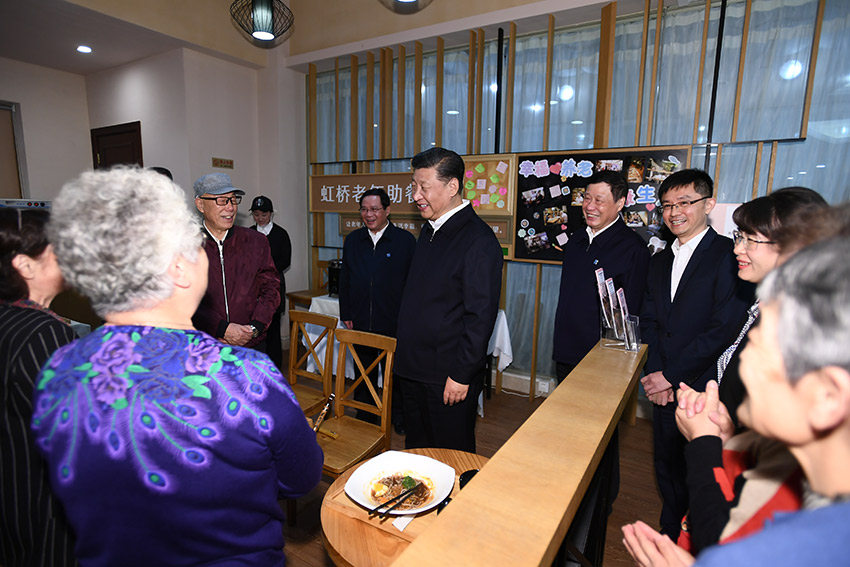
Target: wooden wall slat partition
{"points": [[642, 79], [312, 104], [650, 120], [509, 87], [355, 107], [336, 109], [370, 105], [402, 64], [417, 99], [470, 93], [773, 149], [755, 192], [538, 279], [742, 58], [547, 92], [479, 91], [605, 76], [438, 114], [701, 70], [387, 103], [518, 509], [716, 174], [813, 60]]}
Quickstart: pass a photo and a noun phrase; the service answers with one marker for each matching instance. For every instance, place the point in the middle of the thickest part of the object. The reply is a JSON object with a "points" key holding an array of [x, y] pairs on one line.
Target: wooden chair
{"points": [[310, 398], [320, 276], [350, 440]]}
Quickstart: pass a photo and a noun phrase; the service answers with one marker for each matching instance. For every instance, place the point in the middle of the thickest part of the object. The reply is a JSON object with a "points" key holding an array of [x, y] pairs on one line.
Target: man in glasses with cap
{"points": [[263, 211], [243, 289]]}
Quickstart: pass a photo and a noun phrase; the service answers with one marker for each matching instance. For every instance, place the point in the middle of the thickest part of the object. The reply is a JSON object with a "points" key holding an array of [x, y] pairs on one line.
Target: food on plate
{"points": [[388, 487], [661, 171]]}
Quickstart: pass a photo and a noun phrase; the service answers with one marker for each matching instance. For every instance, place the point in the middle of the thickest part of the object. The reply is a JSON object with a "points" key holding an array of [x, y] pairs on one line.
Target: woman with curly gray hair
{"points": [[165, 445]]}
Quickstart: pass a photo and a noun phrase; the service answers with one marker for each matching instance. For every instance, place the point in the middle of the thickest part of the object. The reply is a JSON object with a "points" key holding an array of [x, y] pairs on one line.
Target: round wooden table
{"points": [[350, 538]]}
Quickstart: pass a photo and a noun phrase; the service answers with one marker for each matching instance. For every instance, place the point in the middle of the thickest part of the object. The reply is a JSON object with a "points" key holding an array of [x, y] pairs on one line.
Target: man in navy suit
{"points": [[693, 307]]}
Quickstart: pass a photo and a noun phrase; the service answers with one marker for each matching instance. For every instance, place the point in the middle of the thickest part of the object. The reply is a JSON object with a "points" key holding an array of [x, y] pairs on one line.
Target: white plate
{"points": [[392, 462]]}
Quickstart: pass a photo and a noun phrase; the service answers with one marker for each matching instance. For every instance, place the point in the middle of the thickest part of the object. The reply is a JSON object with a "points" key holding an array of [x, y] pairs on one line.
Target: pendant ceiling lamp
{"points": [[264, 20], [405, 6]]}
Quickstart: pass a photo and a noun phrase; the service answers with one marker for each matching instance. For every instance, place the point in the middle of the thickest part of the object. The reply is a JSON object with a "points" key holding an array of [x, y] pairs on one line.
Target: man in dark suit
{"points": [[448, 308], [693, 307], [375, 262], [262, 212]]}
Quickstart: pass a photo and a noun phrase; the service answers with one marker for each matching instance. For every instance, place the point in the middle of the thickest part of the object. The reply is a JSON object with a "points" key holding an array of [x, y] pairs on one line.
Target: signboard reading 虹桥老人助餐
{"points": [[488, 184], [550, 190]]}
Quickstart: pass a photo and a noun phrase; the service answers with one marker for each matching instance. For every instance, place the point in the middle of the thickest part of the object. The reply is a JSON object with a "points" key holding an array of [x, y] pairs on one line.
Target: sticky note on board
{"points": [[502, 167], [480, 168], [555, 191], [485, 199], [494, 178], [468, 173], [492, 188], [562, 238], [503, 191], [481, 184], [469, 184], [471, 195], [500, 204]]}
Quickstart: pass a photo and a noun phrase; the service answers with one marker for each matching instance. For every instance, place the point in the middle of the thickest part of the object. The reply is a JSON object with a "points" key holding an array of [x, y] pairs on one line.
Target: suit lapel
{"points": [[693, 263]]}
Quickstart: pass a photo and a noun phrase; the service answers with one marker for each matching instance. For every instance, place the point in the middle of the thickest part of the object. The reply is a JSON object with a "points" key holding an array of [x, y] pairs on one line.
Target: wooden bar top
{"points": [[519, 507]]}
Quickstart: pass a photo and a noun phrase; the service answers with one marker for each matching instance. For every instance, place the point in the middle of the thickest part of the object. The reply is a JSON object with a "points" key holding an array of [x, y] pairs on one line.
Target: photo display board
{"points": [[550, 190]]}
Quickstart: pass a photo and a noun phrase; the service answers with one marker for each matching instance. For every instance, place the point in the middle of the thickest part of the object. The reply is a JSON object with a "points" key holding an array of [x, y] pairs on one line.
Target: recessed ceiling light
{"points": [[577, 122], [791, 69], [801, 172], [820, 166], [84, 49], [452, 112], [566, 92], [536, 107], [494, 87], [553, 102]]}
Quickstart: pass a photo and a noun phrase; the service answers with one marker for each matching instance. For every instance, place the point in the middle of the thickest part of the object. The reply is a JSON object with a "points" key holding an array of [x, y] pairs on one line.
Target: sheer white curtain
{"points": [[455, 101], [345, 115], [575, 71], [488, 99], [429, 100], [628, 36], [529, 93], [773, 91], [325, 116], [823, 155]]}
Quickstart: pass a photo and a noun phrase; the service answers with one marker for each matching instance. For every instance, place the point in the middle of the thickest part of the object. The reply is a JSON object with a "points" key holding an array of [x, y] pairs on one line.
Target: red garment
{"points": [[735, 489], [251, 280]]}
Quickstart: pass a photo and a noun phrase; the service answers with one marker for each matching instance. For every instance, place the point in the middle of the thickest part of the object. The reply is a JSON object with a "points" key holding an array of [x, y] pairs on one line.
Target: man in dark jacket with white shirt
{"points": [[375, 262], [448, 308]]}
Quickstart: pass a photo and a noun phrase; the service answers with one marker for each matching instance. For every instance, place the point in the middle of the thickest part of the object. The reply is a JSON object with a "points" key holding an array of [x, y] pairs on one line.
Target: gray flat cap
{"points": [[215, 184]]}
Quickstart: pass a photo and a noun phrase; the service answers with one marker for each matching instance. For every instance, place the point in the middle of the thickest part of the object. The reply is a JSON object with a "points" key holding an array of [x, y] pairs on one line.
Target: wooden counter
{"points": [[522, 502]]}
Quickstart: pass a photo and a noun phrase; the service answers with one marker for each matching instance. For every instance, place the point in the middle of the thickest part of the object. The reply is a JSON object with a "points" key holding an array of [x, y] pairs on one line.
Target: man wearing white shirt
{"points": [[448, 308], [375, 262], [693, 306], [606, 242]]}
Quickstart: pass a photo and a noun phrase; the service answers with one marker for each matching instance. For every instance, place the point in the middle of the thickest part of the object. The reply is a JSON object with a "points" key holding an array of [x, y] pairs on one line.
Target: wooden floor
{"points": [[638, 498]]}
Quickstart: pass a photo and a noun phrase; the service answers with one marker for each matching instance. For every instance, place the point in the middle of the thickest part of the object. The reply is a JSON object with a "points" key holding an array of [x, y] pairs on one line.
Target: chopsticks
{"points": [[397, 499]]}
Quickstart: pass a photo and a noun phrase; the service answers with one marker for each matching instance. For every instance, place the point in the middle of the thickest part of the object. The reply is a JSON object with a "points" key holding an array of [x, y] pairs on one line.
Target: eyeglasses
{"points": [[749, 243], [222, 201], [374, 211], [682, 205]]}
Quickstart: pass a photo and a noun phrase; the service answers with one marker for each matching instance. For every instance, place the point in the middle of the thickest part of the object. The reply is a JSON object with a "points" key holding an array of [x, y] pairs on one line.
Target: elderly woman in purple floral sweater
{"points": [[165, 446]]}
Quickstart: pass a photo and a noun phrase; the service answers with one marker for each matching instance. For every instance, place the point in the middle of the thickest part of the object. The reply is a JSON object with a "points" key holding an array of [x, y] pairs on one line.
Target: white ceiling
{"points": [[47, 33]]}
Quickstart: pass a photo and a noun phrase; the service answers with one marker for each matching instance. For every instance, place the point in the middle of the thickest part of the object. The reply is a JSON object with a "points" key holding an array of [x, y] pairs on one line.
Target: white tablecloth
{"points": [[499, 345]]}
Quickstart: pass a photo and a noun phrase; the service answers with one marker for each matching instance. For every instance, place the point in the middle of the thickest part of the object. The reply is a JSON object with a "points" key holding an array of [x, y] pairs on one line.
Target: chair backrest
{"points": [[348, 339], [320, 276], [316, 332]]}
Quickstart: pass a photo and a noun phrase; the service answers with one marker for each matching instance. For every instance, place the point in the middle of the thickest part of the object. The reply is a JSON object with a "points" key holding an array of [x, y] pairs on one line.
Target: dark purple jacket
{"points": [[251, 280]]}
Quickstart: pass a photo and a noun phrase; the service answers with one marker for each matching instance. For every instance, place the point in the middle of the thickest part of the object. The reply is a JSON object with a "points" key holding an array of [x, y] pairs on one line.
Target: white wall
{"points": [[222, 120], [151, 91], [55, 121], [282, 103]]}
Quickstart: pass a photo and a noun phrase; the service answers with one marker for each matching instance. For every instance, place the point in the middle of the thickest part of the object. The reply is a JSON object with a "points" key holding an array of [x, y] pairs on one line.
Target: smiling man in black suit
{"points": [[693, 308]]}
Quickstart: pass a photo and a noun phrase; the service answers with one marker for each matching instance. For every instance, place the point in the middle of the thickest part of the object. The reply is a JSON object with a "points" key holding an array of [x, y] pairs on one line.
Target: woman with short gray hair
{"points": [[166, 446]]}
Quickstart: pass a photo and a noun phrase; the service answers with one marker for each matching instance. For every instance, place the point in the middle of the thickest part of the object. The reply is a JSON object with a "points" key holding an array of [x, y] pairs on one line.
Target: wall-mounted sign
{"points": [[222, 163], [488, 183], [550, 191]]}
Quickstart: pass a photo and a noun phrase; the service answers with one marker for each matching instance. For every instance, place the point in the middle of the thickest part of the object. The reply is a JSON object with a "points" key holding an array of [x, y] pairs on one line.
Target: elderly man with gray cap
{"points": [[243, 292]]}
